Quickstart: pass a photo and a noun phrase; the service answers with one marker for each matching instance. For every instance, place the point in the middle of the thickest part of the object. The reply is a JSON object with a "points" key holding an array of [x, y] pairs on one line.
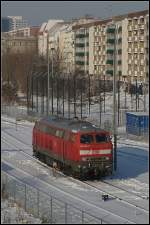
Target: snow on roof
{"points": [[51, 23], [42, 27], [139, 113], [55, 28]]}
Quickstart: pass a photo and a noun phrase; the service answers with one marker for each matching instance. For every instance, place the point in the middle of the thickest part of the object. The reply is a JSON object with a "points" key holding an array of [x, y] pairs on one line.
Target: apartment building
{"points": [[43, 36], [21, 44], [125, 35], [24, 32], [138, 49], [81, 35], [17, 22], [67, 47]]}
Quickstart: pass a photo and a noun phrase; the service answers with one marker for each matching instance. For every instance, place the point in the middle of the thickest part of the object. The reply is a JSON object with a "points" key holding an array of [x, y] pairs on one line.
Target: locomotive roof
{"points": [[71, 124]]}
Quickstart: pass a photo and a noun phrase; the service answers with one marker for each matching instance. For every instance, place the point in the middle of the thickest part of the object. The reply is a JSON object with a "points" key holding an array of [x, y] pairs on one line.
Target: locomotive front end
{"points": [[95, 155]]}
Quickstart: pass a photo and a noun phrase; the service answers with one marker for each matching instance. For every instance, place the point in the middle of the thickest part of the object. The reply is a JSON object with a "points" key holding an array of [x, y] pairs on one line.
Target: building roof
{"points": [[42, 28], [51, 23], [115, 18]]}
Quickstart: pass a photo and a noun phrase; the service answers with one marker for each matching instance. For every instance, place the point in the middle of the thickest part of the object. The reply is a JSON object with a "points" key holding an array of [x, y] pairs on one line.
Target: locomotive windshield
{"points": [[86, 139], [102, 138]]}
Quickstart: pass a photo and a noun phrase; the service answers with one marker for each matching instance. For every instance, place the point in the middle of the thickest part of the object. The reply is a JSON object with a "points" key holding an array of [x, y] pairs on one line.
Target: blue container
{"points": [[137, 123]]}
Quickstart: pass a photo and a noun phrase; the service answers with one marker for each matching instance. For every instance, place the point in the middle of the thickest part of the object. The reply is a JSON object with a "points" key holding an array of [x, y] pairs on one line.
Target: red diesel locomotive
{"points": [[79, 148]]}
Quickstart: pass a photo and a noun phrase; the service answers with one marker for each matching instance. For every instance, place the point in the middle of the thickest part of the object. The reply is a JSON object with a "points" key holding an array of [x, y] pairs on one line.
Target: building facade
{"points": [[21, 44], [24, 32], [123, 38], [43, 36], [138, 49], [68, 50], [17, 22]]}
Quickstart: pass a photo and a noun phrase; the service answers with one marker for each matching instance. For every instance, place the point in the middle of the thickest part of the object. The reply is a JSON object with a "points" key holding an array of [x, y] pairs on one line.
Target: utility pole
{"points": [[48, 73], [52, 77], [114, 103]]}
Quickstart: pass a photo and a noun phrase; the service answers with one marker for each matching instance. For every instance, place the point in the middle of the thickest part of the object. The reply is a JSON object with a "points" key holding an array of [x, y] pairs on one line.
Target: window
{"points": [[86, 139], [60, 133], [51, 131], [101, 138], [135, 55]]}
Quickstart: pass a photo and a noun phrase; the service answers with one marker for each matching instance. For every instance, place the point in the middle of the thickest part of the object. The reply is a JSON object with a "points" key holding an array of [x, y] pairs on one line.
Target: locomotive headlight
{"points": [[107, 158]]}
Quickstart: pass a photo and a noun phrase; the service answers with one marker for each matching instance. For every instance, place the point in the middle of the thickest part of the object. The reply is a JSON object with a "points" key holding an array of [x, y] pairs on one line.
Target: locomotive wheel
{"points": [[42, 157]]}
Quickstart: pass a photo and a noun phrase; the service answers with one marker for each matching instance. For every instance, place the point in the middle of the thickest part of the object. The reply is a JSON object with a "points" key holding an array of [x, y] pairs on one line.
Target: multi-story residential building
{"points": [[43, 36], [22, 44], [56, 45], [21, 40], [24, 32], [98, 48], [68, 51], [81, 45], [17, 22], [128, 34], [138, 35]]}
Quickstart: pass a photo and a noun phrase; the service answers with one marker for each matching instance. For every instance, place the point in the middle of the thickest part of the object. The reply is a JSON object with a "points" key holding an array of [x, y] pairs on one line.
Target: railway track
{"points": [[120, 197], [9, 162], [93, 185]]}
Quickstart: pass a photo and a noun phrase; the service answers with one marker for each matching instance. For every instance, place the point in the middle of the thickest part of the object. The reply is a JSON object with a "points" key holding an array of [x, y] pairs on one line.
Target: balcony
{"points": [[81, 45], [141, 50], [110, 51], [119, 40], [129, 39], [79, 62], [130, 27], [136, 61], [109, 61], [135, 50], [111, 40], [141, 26], [141, 38], [80, 54], [80, 35], [135, 27], [119, 51], [130, 61], [109, 72], [119, 72], [135, 38], [120, 29], [110, 30], [119, 62]]}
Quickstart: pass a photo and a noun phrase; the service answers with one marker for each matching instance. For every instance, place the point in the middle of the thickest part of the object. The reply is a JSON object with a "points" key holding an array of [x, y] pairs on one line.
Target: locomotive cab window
{"points": [[101, 138], [86, 139]]}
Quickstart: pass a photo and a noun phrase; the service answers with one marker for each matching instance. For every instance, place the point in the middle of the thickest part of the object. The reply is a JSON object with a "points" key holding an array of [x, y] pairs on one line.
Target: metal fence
{"points": [[49, 209]]}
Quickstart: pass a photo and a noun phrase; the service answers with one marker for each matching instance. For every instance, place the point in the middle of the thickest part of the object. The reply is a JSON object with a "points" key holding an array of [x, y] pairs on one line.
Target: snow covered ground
{"points": [[131, 175]]}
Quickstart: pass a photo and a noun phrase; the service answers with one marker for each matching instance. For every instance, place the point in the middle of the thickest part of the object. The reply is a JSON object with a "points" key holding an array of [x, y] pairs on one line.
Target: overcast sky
{"points": [[37, 12]]}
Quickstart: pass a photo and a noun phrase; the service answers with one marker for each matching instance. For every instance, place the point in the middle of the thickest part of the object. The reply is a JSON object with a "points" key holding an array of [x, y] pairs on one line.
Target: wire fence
{"points": [[41, 205]]}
